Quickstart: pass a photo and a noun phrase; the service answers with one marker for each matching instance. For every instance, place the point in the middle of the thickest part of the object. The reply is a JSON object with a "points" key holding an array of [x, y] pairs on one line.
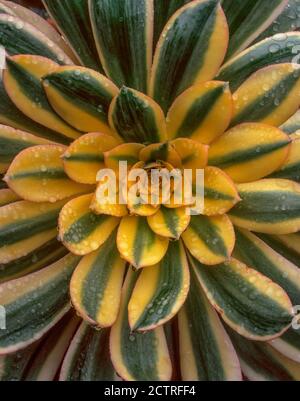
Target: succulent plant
{"points": [[95, 290]]}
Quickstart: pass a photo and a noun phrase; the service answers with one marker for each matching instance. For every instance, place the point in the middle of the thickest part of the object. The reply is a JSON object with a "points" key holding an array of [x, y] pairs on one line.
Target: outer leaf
{"points": [[22, 81], [269, 206], [25, 226], [255, 253], [37, 174], [270, 96], [33, 18], [290, 169], [160, 290], [287, 21], [36, 305], [88, 357], [210, 239], [260, 362], [276, 49], [206, 352], [73, 21], [47, 360], [12, 116], [4, 9], [44, 255], [123, 31], [288, 344], [292, 125], [202, 112], [19, 37], [247, 19], [137, 118], [13, 366], [85, 157], [7, 196], [81, 97], [139, 356], [12, 142], [249, 152], [285, 245], [138, 244], [96, 285], [184, 56], [249, 302], [80, 229], [163, 10]]}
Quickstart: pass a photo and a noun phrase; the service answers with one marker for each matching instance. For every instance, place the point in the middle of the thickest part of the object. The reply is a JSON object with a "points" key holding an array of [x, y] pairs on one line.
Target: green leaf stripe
{"points": [[88, 357], [73, 20]]}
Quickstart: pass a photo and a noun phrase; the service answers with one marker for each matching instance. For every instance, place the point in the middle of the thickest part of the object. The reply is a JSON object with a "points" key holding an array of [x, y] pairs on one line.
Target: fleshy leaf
{"points": [[41, 24], [81, 97], [292, 125], [202, 112], [137, 118], [96, 285], [206, 352], [193, 154], [170, 223], [37, 303], [260, 362], [73, 20], [255, 253], [37, 174], [279, 48], [270, 95], [290, 169], [12, 142], [288, 344], [270, 206], [249, 302], [138, 356], [123, 31], [7, 196], [25, 226], [85, 156], [10, 115], [22, 81], [127, 152], [288, 20], [286, 245], [210, 239], [20, 37], [186, 54], [82, 231], [88, 357], [160, 290], [249, 152], [220, 193], [163, 11], [247, 19], [42, 256], [13, 366], [45, 363]]}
